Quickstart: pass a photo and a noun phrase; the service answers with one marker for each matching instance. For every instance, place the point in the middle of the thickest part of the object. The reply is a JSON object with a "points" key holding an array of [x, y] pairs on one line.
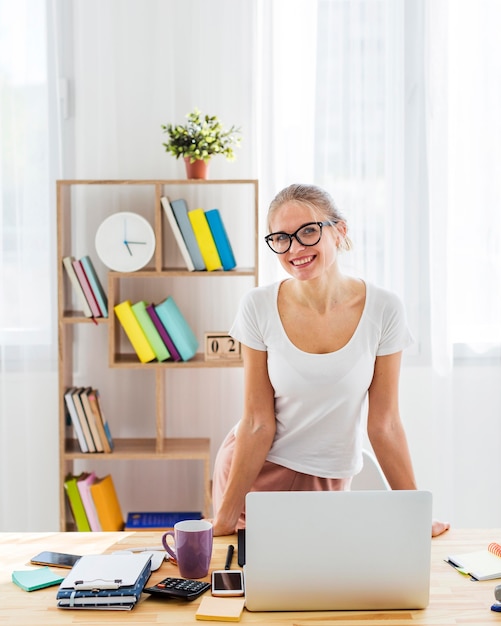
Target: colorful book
{"points": [[75, 502], [84, 483], [134, 331], [77, 401], [163, 333], [221, 239], [180, 210], [158, 520], [87, 289], [91, 419], [178, 328], [177, 233], [150, 330], [102, 424], [205, 239], [95, 284], [75, 420], [70, 271], [107, 505]]}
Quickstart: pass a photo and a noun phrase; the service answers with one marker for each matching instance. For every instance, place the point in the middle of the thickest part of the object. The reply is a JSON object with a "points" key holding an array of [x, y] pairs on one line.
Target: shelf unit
{"points": [[69, 210]]}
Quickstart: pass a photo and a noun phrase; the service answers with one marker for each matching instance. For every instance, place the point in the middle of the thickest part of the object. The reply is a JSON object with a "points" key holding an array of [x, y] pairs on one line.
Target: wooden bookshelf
{"points": [[72, 212]]}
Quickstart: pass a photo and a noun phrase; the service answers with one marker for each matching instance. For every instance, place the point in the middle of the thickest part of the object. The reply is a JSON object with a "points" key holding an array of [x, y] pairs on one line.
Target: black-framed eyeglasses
{"points": [[306, 235]]}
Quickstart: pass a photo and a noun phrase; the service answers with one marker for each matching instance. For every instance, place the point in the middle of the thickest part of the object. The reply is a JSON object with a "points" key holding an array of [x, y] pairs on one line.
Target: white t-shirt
{"points": [[321, 399]]}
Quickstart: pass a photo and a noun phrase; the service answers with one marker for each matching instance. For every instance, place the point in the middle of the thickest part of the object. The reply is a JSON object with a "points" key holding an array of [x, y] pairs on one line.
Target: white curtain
{"points": [[394, 107], [28, 336]]}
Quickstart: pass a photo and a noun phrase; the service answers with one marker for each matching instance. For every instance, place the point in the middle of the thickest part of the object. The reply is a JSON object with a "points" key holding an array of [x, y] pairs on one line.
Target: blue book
{"points": [[95, 284], [100, 581], [221, 240], [180, 210], [158, 520], [178, 328]]}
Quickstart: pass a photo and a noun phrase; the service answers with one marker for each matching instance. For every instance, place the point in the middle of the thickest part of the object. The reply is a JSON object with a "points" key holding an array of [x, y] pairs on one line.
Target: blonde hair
{"points": [[313, 197]]}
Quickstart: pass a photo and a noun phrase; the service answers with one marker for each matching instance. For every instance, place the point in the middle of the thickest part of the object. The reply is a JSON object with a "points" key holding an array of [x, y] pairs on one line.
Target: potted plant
{"points": [[199, 139]]}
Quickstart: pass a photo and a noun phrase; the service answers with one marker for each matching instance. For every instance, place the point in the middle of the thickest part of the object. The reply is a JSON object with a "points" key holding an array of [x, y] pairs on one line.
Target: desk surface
{"points": [[454, 599]]}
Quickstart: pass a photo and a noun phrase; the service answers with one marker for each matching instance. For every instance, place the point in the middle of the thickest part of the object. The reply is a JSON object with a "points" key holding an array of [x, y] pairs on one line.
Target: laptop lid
{"points": [[339, 550]]}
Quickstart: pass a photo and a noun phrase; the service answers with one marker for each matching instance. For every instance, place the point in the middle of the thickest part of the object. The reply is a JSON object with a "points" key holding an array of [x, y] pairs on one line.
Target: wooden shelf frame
{"points": [[158, 448]]}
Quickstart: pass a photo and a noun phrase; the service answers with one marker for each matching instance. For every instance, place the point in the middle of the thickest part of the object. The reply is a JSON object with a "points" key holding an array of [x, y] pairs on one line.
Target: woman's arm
{"points": [[386, 431], [253, 440]]}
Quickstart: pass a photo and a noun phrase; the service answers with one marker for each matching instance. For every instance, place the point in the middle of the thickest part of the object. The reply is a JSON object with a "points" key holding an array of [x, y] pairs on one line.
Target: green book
{"points": [[152, 335], [33, 579], [76, 504]]}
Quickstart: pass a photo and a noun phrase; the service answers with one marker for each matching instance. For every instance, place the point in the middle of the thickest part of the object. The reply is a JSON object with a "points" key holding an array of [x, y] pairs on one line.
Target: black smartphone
{"points": [[56, 559]]}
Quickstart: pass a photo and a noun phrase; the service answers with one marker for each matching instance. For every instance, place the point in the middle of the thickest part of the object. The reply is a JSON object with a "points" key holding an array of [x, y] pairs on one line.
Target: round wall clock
{"points": [[125, 242]]}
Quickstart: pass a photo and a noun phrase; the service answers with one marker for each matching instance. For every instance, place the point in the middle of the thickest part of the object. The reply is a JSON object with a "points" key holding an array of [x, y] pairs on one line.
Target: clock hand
{"points": [[142, 242], [127, 246]]}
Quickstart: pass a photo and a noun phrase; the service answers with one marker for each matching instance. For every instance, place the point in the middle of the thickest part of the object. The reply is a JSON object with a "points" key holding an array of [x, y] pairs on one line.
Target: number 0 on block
{"points": [[219, 346]]}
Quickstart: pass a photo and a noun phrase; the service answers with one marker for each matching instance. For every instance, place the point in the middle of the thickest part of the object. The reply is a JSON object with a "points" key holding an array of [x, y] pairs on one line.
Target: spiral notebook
{"points": [[479, 565], [338, 550]]}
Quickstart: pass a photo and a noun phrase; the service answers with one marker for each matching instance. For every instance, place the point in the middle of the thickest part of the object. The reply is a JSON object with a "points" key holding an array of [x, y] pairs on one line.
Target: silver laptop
{"points": [[337, 550]]}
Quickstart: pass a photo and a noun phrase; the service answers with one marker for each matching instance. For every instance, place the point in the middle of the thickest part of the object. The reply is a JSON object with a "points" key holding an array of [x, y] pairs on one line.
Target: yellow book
{"points": [[134, 331], [107, 504], [205, 240]]}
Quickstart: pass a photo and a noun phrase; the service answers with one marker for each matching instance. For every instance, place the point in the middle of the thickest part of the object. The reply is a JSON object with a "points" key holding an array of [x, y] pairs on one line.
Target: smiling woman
{"points": [[322, 355]]}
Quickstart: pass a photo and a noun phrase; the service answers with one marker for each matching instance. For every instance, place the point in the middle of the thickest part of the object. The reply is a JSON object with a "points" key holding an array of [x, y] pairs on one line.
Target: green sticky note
{"points": [[33, 579]]}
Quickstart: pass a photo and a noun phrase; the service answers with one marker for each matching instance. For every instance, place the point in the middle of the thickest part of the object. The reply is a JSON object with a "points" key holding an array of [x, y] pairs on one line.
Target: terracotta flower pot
{"points": [[198, 169]]}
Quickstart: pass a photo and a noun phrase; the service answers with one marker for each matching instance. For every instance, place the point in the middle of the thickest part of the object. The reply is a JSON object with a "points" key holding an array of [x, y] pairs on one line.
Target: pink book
{"points": [[86, 495], [87, 289], [166, 338]]}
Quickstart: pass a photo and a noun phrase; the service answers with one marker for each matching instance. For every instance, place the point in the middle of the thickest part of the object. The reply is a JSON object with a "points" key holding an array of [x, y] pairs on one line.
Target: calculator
{"points": [[182, 588]]}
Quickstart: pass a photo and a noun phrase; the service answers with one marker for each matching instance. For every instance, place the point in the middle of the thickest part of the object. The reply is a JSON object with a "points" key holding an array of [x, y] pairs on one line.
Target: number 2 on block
{"points": [[221, 347]]}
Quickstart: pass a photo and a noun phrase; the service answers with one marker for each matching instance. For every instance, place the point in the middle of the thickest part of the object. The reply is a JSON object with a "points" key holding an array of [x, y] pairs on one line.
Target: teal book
{"points": [[178, 328], [221, 239], [95, 284], [152, 335], [180, 210]]}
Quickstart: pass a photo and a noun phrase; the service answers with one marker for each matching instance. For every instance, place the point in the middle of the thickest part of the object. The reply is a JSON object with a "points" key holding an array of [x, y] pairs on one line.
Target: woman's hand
{"points": [[437, 528], [219, 528]]}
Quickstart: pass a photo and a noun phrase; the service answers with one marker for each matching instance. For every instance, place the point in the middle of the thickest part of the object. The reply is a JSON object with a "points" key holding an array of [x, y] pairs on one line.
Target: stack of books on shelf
{"points": [[93, 502], [87, 286], [200, 235], [157, 331], [89, 423]]}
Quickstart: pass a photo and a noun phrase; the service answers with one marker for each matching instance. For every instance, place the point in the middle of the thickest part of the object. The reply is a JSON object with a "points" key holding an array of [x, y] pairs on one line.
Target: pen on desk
{"points": [[229, 556]]}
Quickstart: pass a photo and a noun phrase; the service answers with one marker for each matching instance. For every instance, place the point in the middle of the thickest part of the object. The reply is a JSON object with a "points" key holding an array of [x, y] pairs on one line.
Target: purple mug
{"points": [[192, 547]]}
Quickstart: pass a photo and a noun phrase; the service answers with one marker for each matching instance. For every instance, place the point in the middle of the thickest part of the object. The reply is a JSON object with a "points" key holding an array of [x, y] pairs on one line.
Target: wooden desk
{"points": [[454, 598]]}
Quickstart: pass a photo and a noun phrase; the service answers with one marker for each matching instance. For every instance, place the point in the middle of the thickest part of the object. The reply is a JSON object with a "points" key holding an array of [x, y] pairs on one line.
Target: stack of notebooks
{"points": [[105, 581], [93, 502], [90, 425], [87, 286], [200, 235], [157, 331]]}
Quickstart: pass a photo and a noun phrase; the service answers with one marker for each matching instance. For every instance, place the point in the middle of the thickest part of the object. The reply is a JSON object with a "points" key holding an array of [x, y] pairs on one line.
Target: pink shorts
{"points": [[272, 477]]}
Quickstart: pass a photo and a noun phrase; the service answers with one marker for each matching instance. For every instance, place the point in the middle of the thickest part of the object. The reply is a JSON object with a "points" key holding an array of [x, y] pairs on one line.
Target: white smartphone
{"points": [[227, 582]]}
